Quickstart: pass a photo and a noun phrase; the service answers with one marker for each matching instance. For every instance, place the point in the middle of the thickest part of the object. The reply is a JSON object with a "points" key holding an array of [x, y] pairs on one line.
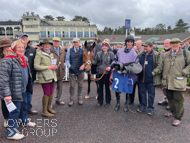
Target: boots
{"points": [[49, 105], [125, 109], [45, 112], [117, 106]]}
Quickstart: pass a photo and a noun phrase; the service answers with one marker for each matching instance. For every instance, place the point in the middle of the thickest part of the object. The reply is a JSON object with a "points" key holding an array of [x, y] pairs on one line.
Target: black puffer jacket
{"points": [[30, 53], [11, 79]]}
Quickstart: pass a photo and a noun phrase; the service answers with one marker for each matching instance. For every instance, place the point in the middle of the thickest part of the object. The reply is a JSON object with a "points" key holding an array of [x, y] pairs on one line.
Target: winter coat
{"points": [[11, 79], [41, 63], [60, 62], [175, 70], [157, 66]]}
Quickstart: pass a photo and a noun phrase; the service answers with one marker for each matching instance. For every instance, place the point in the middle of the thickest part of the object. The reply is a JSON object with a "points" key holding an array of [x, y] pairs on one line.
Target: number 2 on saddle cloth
{"points": [[123, 82]]}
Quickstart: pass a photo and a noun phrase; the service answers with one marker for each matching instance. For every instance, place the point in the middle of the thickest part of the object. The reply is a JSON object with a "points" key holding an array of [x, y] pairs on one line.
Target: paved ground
{"points": [[89, 123]]}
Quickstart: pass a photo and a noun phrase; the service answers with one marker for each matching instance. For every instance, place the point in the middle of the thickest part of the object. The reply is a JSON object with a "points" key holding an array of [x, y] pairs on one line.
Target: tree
{"points": [[181, 26], [80, 18], [48, 17], [60, 18]]}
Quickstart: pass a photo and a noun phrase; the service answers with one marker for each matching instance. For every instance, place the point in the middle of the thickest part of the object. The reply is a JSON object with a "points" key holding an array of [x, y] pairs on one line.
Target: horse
{"points": [[87, 59]]}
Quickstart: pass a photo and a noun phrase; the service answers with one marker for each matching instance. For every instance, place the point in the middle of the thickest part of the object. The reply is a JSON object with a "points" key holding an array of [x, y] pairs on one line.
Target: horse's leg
{"points": [[88, 90]]}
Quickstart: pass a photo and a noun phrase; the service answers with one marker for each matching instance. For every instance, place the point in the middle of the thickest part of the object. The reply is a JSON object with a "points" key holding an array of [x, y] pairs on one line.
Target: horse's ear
{"points": [[94, 44], [85, 44]]}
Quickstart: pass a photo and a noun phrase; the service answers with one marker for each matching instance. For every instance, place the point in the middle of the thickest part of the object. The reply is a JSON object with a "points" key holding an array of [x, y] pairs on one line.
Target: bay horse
{"points": [[87, 59]]}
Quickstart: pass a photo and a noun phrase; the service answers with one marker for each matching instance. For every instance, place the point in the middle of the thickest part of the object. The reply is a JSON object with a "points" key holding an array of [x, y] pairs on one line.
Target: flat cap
{"points": [[174, 40], [148, 43], [56, 39], [76, 39]]}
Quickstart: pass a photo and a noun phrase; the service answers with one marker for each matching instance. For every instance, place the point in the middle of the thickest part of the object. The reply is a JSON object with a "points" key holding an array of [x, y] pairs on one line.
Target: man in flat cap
{"points": [[149, 77], [176, 67], [59, 54], [74, 61]]}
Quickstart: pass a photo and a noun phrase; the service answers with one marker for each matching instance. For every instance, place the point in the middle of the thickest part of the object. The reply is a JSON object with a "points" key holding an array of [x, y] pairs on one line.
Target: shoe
{"points": [[96, 96], [107, 105], [163, 103], [167, 107], [31, 124], [71, 103], [176, 122], [140, 110], [45, 112], [125, 109], [49, 105], [99, 104], [80, 102], [87, 96], [169, 114], [16, 137], [33, 112], [5, 123], [151, 113], [117, 106], [59, 102]]}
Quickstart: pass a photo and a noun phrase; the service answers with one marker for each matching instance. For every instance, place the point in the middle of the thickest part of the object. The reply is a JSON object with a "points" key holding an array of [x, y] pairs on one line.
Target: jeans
{"points": [[29, 99], [143, 88], [4, 110], [20, 111]]}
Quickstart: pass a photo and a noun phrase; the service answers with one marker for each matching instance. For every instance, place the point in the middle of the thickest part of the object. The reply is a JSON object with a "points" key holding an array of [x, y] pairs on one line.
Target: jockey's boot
{"points": [[125, 109], [117, 106]]}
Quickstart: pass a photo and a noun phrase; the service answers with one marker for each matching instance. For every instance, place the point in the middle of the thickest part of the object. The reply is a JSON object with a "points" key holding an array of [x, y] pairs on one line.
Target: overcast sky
{"points": [[111, 13]]}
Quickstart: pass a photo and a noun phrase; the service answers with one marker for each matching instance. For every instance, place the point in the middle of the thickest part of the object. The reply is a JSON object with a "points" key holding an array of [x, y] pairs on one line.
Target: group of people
{"points": [[20, 63]]}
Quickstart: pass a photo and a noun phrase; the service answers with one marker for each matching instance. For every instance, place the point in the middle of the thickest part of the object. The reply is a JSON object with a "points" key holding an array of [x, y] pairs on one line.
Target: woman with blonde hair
{"points": [[15, 81], [45, 67]]}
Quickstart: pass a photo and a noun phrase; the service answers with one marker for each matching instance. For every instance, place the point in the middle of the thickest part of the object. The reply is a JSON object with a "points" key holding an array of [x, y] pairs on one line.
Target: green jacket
{"points": [[175, 70], [41, 63], [157, 66]]}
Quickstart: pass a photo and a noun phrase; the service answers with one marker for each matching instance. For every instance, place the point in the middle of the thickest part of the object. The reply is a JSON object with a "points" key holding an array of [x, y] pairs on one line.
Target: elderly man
{"points": [[59, 54], [122, 45], [187, 46], [176, 66], [74, 61], [149, 77], [30, 53], [167, 47]]}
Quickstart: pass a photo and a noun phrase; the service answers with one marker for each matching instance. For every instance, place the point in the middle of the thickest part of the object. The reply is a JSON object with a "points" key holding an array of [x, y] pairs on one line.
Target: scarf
{"points": [[12, 54], [48, 52]]}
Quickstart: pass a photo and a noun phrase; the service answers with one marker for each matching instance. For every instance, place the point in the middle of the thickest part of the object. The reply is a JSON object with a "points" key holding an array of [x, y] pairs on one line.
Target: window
{"points": [[51, 33], [65, 43], [79, 34], [32, 33], [65, 34], [92, 34], [35, 19], [43, 33], [72, 34], [86, 34], [57, 33], [31, 26]]}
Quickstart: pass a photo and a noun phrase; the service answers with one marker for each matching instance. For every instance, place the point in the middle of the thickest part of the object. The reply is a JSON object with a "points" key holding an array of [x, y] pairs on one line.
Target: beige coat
{"points": [[41, 63], [60, 62], [175, 70]]}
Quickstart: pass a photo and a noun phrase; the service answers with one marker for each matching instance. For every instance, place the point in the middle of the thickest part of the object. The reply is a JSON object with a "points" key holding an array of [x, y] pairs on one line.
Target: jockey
{"points": [[125, 55]]}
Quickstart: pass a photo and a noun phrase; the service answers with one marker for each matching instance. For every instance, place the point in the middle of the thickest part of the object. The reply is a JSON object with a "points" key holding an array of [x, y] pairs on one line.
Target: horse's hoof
{"points": [[87, 96]]}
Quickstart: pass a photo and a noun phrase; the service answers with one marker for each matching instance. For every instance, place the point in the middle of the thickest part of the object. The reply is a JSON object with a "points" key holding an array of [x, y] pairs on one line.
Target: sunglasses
{"points": [[105, 44]]}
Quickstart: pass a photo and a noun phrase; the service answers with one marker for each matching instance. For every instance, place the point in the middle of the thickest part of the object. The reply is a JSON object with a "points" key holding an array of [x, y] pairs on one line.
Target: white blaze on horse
{"points": [[88, 55]]}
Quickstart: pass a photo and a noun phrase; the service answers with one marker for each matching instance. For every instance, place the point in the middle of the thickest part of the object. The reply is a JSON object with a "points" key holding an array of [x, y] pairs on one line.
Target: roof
{"points": [[121, 38]]}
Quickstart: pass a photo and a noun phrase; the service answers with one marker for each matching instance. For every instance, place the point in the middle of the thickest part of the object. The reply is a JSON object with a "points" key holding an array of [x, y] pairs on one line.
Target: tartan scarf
{"points": [[12, 54]]}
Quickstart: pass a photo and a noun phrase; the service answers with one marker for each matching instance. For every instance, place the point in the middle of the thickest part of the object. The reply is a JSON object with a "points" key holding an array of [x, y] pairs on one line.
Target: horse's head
{"points": [[88, 55]]}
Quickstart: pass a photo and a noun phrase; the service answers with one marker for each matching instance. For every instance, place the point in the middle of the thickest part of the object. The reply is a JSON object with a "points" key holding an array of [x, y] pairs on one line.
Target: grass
{"points": [[160, 49]]}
